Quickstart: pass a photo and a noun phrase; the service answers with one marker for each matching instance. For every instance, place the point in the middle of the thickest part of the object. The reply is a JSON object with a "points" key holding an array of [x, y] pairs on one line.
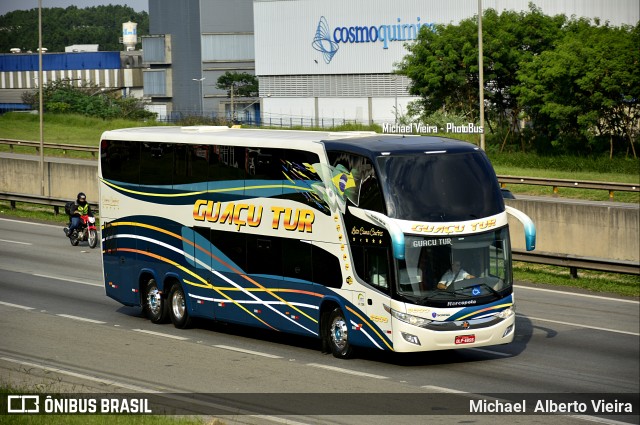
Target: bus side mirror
{"points": [[529, 227]]}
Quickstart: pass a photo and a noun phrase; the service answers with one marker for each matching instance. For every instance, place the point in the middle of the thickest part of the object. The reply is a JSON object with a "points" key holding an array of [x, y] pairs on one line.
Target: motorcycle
{"points": [[86, 232]]}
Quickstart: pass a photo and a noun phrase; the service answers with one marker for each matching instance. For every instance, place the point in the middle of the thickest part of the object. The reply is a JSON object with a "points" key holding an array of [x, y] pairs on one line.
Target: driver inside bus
{"points": [[454, 274]]}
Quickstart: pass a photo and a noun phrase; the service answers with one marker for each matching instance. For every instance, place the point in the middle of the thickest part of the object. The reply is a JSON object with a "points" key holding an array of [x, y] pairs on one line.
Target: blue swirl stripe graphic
{"points": [[322, 41]]}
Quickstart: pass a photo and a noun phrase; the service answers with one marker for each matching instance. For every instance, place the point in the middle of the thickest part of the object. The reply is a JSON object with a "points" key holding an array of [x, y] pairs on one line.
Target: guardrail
{"points": [[576, 184], [61, 146], [573, 262], [56, 203], [503, 180]]}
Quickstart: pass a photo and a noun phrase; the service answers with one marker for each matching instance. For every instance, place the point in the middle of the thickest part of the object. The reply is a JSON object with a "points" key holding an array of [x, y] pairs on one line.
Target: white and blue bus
{"points": [[347, 237]]}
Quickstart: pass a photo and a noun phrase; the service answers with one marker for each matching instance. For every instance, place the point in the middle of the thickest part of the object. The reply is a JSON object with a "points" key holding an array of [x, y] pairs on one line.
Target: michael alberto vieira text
{"points": [[550, 406]]}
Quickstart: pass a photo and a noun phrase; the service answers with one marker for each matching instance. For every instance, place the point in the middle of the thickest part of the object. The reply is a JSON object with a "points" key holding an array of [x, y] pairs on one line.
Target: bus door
{"points": [[373, 265]]}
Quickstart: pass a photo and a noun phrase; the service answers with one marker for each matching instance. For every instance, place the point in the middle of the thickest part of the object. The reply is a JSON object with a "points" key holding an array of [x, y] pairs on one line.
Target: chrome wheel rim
{"points": [[339, 333], [154, 301], [177, 305]]}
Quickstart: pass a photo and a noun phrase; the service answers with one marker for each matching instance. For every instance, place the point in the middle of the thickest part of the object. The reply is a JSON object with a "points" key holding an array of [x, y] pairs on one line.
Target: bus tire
{"points": [[338, 335], [178, 307], [154, 305]]}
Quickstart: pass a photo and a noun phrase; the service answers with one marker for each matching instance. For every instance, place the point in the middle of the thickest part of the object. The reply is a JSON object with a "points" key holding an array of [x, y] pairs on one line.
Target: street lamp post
{"points": [[40, 97], [481, 73]]}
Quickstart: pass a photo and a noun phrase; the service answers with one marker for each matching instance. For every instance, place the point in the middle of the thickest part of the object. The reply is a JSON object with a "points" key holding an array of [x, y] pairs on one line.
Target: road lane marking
{"points": [[599, 297], [58, 226], [24, 307], [348, 371], [66, 279], [578, 325], [16, 242], [437, 389], [232, 410], [598, 420], [496, 353], [81, 319], [180, 338], [80, 375], [242, 350]]}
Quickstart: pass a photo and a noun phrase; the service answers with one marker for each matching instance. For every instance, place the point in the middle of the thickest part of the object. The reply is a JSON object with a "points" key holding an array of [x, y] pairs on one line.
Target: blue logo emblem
{"points": [[475, 291], [322, 41]]}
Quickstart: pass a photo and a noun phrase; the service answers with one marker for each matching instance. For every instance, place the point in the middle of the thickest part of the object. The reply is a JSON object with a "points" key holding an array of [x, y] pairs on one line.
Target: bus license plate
{"points": [[465, 339]]}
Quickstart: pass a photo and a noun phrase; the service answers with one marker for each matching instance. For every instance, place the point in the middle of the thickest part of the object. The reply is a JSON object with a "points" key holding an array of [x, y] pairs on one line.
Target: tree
{"points": [[443, 67], [238, 84], [100, 25], [62, 96], [443, 63], [243, 84], [586, 91]]}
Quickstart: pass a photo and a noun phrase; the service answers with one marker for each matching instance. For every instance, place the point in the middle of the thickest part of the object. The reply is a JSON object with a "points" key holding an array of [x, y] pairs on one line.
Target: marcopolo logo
{"points": [[327, 41]]}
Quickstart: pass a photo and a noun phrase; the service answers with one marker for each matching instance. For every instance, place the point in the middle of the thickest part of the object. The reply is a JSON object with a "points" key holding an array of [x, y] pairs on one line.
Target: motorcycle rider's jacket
{"points": [[80, 209]]}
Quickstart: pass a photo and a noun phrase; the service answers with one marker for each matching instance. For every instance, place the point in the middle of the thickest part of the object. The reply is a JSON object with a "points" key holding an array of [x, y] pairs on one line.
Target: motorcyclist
{"points": [[80, 207]]}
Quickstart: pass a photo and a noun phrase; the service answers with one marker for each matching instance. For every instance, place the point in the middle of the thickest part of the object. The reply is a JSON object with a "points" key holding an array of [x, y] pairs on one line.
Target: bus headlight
{"points": [[408, 318], [506, 313]]}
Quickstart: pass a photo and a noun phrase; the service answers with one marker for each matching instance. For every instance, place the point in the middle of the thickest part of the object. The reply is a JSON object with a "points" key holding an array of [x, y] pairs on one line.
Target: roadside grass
{"points": [[594, 281], [67, 129], [33, 212]]}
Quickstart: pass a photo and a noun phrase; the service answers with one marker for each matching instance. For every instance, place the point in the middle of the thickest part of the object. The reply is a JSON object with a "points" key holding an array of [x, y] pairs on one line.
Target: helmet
{"points": [[82, 196]]}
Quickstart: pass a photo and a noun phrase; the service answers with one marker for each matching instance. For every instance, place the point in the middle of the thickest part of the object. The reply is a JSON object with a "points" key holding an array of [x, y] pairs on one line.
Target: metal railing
{"points": [[56, 203], [576, 184], [573, 262], [60, 146]]}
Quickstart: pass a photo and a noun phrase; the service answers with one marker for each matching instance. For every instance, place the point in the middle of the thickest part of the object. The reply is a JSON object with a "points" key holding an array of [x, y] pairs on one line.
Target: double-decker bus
{"points": [[347, 237]]}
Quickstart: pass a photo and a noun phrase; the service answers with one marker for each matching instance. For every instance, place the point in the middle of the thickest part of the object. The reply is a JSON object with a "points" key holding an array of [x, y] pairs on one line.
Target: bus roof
{"points": [[367, 143]]}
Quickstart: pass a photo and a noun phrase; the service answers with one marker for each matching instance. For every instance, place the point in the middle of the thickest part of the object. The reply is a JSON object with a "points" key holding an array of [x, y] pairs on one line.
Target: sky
{"points": [[11, 5]]}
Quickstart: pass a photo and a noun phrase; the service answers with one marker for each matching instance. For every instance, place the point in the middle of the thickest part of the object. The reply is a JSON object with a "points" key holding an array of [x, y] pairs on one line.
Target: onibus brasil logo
{"points": [[328, 42]]}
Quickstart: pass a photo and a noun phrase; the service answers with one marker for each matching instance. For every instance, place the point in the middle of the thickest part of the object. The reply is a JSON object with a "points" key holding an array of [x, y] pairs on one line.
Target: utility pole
{"points": [[481, 73], [40, 107]]}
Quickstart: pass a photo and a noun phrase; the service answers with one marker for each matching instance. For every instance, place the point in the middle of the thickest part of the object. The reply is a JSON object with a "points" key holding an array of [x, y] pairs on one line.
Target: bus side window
{"points": [[156, 164], [296, 259], [264, 255], [121, 161], [369, 191], [372, 266], [326, 268]]}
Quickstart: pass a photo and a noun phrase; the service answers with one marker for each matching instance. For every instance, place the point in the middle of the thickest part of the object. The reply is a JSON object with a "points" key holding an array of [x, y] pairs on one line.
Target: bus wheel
{"points": [[154, 307], [338, 335], [178, 307]]}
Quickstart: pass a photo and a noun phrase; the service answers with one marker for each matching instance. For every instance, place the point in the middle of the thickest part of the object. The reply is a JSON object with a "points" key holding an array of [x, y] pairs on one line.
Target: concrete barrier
{"points": [[63, 178], [590, 229], [608, 230]]}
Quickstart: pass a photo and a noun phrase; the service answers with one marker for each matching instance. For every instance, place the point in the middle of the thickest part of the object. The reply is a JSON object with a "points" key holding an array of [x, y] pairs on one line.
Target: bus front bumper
{"points": [[409, 338]]}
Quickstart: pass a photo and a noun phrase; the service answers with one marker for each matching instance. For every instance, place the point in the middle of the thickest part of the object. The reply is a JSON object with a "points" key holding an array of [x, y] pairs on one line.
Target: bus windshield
{"points": [[436, 187], [442, 270]]}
